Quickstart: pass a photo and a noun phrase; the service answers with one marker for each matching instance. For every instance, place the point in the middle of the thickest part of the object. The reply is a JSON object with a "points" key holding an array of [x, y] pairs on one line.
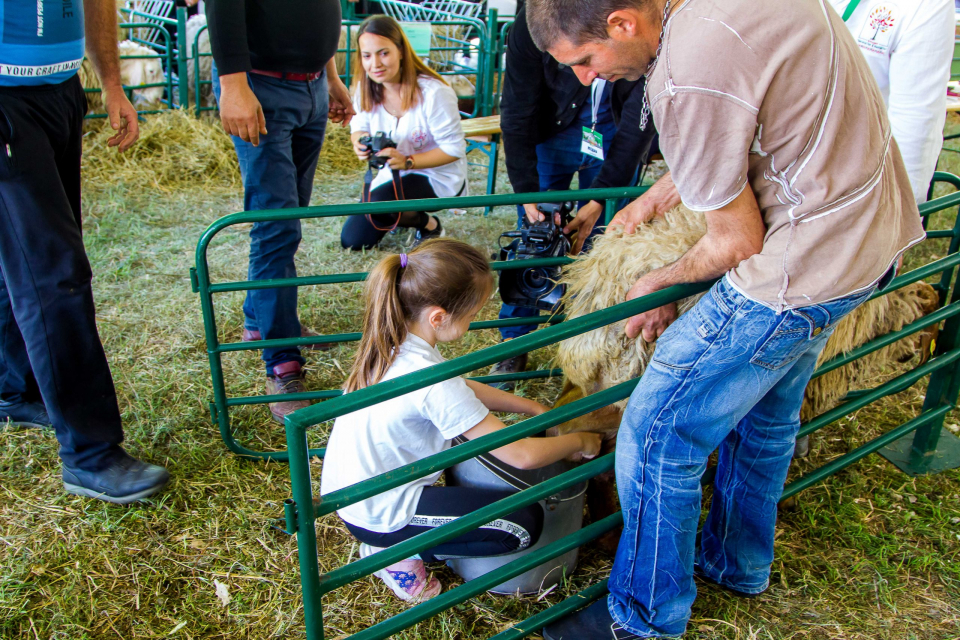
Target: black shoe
{"points": [[592, 623], [516, 364], [25, 414], [124, 480], [423, 235]]}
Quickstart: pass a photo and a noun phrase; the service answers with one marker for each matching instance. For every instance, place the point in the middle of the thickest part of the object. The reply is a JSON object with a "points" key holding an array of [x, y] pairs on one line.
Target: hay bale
{"points": [[177, 150]]}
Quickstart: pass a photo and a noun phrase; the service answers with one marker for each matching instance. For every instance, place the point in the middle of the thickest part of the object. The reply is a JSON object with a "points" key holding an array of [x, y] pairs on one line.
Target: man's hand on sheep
{"points": [[122, 116], [240, 111], [650, 325], [583, 224], [660, 198]]}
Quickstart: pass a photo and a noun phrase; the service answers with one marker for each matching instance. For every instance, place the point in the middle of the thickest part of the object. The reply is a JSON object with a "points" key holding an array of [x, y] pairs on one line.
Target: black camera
{"points": [[376, 144], [536, 287]]}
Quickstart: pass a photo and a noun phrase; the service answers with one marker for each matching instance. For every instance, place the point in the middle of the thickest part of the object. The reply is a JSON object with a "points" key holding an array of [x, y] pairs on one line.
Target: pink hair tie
{"points": [[403, 260]]}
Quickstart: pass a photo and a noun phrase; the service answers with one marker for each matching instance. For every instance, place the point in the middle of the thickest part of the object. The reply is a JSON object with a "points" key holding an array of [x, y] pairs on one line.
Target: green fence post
{"points": [[610, 210], [490, 70], [306, 530], [931, 449], [182, 57]]}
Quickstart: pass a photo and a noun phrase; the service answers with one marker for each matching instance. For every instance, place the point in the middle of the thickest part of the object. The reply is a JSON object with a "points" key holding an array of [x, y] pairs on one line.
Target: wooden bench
{"points": [[483, 134]]}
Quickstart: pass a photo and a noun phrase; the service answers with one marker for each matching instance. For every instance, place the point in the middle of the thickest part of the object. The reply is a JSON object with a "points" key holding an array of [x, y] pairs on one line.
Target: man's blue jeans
{"points": [[278, 174], [558, 159], [730, 373]]}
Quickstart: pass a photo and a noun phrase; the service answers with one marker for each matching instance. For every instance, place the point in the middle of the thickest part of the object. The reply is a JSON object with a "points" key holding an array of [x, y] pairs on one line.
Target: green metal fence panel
{"points": [[923, 431], [221, 405]]}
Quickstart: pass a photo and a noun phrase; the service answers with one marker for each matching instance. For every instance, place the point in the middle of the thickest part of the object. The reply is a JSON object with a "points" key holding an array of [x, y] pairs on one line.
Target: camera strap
{"points": [[397, 192]]}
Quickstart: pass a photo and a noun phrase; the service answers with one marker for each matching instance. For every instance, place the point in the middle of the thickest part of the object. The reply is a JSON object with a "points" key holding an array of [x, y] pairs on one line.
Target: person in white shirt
{"points": [[399, 95], [413, 302], [909, 47]]}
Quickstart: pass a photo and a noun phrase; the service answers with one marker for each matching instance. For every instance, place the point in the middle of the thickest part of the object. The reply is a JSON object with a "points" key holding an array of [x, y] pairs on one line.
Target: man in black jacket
{"points": [[277, 85], [545, 116]]}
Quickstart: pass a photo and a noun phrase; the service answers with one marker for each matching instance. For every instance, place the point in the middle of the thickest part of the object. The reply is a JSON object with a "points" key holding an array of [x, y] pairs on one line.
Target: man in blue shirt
{"points": [[53, 370]]}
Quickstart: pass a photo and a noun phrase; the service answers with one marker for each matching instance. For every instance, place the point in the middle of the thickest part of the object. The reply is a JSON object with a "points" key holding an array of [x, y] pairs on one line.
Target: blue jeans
{"points": [[278, 174], [558, 159], [730, 373]]}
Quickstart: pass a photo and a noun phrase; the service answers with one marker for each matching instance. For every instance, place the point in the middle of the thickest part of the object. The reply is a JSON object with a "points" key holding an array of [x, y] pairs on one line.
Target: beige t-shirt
{"points": [[776, 95]]}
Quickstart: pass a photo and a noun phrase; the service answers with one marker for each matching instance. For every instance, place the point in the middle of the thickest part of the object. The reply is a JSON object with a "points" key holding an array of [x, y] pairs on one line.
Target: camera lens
{"points": [[536, 280]]}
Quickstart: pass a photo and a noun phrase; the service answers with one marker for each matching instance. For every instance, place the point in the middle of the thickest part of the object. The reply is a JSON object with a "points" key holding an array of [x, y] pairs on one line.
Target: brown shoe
{"points": [[249, 335], [287, 377], [510, 365]]}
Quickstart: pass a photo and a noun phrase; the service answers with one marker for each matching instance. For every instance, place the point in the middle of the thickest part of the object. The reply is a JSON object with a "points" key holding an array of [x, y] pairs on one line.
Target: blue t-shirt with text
{"points": [[41, 41]]}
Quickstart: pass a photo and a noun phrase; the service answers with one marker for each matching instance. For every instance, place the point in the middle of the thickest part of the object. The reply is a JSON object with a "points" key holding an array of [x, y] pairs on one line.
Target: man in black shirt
{"points": [[545, 114], [277, 86]]}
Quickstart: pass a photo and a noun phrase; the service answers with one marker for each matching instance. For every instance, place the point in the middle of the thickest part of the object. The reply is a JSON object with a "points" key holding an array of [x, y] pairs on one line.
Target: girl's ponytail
{"points": [[442, 272], [384, 325]]}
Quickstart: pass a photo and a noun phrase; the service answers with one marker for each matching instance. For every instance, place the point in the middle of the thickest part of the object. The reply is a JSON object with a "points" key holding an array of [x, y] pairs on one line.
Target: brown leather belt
{"points": [[298, 77]]}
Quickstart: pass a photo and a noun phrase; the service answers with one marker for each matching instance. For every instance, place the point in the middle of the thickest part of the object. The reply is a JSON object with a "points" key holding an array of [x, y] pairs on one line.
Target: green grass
{"points": [[870, 553]]}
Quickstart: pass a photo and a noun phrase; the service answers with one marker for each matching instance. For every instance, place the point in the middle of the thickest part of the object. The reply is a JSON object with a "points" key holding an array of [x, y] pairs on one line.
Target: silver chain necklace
{"points": [[645, 111]]}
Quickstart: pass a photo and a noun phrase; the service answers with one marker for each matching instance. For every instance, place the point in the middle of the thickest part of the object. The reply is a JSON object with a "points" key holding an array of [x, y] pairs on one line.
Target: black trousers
{"points": [[440, 505], [48, 333], [360, 232]]}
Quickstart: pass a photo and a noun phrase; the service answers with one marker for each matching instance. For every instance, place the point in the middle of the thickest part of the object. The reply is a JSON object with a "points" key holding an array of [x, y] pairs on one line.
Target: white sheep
{"points": [[197, 24], [133, 72]]}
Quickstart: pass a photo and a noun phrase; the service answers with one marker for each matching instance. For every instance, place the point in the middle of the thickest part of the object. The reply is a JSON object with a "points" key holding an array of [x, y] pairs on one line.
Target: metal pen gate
{"points": [[926, 450]]}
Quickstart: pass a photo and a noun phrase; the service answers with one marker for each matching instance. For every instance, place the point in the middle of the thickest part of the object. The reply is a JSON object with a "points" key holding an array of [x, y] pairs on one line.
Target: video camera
{"points": [[376, 144], [536, 287]]}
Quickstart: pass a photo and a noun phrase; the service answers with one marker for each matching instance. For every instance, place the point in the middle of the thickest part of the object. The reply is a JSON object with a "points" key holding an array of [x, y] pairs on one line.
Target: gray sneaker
{"points": [[124, 480]]}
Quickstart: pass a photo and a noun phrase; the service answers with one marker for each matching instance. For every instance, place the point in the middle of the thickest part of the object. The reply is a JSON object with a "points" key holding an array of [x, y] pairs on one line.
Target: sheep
{"points": [[197, 24], [133, 72], [602, 358]]}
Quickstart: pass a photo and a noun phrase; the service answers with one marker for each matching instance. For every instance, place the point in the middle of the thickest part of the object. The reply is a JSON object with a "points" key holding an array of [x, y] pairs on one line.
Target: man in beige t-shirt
{"points": [[772, 124]]}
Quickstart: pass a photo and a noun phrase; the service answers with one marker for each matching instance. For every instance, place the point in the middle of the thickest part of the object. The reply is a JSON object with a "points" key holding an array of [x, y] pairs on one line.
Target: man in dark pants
{"points": [[545, 114], [49, 345], [277, 85]]}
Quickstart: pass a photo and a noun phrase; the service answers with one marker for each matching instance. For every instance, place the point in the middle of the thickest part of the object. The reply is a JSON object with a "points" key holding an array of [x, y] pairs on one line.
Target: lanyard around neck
{"points": [[596, 95], [850, 9]]}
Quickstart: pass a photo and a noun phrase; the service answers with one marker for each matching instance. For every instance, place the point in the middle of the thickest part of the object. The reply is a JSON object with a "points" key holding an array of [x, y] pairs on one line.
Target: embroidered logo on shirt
{"points": [[419, 138], [878, 30]]}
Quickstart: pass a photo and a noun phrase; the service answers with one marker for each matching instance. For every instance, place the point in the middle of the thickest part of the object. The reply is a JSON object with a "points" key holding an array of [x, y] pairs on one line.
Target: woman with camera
{"points": [[421, 152]]}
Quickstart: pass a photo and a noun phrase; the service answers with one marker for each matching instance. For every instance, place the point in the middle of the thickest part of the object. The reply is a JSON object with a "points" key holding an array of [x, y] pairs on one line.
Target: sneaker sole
{"points": [[78, 490]]}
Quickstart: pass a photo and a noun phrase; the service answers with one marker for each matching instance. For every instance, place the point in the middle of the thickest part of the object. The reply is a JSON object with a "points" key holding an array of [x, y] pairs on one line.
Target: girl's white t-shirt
{"points": [[434, 122], [388, 435]]}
